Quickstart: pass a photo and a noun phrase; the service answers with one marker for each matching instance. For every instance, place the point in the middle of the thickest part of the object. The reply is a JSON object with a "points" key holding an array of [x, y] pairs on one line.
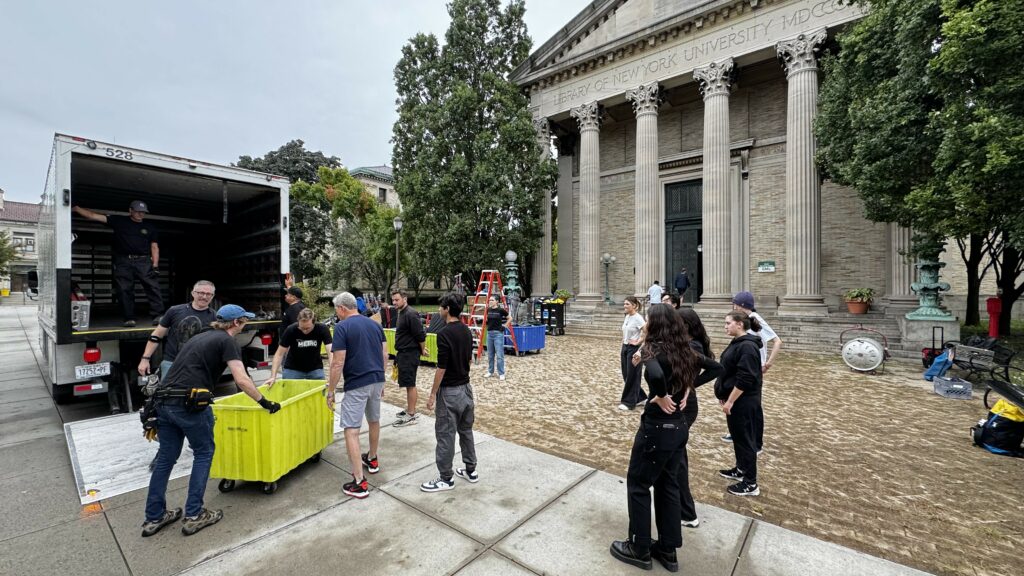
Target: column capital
{"points": [[588, 115], [716, 78], [646, 98], [801, 53]]}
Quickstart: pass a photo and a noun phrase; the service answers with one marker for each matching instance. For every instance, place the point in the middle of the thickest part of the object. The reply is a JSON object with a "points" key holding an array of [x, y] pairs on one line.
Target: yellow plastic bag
{"points": [[1008, 411], [394, 372]]}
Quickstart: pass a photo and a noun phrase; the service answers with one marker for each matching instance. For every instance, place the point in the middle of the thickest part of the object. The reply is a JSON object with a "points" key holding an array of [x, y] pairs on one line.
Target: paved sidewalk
{"points": [[531, 513]]}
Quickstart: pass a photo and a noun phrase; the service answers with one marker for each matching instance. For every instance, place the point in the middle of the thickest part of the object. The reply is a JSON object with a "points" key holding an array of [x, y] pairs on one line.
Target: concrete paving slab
{"points": [[378, 535], [514, 483], [491, 563], [572, 535], [11, 375], [36, 392], [83, 547], [248, 514], [775, 551], [28, 420], [25, 382], [37, 500], [33, 456]]}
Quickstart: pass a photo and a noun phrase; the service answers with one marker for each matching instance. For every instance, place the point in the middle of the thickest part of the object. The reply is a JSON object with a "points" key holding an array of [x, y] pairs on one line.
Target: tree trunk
{"points": [[1009, 291], [973, 264]]}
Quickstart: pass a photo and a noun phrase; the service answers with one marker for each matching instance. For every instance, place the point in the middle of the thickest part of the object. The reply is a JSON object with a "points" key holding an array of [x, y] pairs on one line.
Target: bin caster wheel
{"points": [[226, 485], [314, 458], [270, 487]]}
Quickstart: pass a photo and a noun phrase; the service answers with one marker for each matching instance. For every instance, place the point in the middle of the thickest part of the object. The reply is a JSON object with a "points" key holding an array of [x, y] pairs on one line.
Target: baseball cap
{"points": [[744, 299], [139, 206], [233, 312], [295, 291]]}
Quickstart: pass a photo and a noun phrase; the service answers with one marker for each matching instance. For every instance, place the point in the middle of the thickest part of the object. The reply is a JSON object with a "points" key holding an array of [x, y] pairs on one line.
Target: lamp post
{"points": [[607, 259], [398, 234], [512, 289]]}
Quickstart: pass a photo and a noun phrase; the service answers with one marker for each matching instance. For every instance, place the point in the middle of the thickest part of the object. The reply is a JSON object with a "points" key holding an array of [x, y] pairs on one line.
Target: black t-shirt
{"points": [[202, 360], [304, 349], [496, 318], [409, 330], [291, 316], [183, 322], [132, 238], [454, 351]]}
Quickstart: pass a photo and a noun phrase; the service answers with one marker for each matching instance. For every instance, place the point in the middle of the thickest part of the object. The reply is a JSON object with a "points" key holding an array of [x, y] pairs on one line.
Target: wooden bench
{"points": [[994, 360]]}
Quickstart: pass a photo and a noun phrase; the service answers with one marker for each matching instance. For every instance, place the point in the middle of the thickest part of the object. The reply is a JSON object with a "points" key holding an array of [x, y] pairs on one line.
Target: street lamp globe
{"points": [[398, 223], [511, 256]]}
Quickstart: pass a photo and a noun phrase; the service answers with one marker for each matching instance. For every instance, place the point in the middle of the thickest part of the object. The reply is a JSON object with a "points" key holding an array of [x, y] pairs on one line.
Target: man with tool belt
{"points": [[410, 344], [182, 407], [136, 255]]}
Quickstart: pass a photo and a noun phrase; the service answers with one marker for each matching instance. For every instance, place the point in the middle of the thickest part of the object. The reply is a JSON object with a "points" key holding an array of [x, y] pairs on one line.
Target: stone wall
{"points": [[854, 251], [767, 183]]}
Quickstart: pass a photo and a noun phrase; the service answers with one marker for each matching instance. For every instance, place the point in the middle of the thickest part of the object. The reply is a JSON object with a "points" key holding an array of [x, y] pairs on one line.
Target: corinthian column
{"points": [[799, 57], [541, 276], [714, 81], [589, 118], [902, 272], [648, 202]]}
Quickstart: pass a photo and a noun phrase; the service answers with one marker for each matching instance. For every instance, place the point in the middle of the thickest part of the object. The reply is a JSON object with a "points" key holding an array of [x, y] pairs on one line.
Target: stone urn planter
{"points": [[859, 300]]}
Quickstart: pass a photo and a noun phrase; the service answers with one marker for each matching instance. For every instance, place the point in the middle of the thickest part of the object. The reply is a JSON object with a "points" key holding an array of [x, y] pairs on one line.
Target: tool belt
{"points": [[194, 399]]}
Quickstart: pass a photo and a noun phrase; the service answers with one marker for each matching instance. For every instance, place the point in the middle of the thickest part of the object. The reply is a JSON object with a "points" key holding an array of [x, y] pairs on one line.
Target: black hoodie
{"points": [[741, 362]]}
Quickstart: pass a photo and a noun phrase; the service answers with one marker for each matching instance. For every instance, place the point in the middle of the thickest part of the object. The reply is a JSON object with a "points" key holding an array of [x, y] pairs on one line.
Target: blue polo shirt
{"points": [[361, 339]]}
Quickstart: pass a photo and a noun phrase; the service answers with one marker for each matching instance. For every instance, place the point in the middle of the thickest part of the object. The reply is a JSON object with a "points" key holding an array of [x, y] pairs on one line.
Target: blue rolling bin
{"points": [[528, 338]]}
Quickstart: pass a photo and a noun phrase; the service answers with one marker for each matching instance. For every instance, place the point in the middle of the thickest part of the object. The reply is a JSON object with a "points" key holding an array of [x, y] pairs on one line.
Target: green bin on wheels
{"points": [[256, 446]]}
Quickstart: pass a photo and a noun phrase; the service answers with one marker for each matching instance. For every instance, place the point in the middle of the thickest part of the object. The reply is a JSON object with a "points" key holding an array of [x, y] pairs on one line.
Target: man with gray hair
{"points": [[360, 354], [178, 325]]}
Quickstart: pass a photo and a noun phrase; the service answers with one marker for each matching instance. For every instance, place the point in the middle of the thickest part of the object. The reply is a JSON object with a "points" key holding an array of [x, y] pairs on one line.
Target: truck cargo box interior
{"points": [[227, 232]]}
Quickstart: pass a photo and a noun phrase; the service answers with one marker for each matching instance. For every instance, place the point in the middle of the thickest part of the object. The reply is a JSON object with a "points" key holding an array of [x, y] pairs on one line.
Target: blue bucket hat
{"points": [[229, 312]]}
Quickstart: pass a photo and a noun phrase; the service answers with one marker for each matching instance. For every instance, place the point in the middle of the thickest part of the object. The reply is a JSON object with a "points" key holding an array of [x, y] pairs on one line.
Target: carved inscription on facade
{"points": [[762, 29]]}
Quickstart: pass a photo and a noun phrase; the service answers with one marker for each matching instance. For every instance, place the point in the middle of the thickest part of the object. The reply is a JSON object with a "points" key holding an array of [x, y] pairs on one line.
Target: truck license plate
{"points": [[92, 370]]}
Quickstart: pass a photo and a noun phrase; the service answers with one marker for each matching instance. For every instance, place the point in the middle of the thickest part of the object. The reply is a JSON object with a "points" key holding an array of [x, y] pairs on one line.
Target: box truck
{"points": [[218, 223]]}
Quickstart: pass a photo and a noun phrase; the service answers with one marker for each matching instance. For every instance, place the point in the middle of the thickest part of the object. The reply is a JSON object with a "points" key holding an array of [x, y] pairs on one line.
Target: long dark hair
{"points": [[748, 321], [695, 328], [666, 334]]}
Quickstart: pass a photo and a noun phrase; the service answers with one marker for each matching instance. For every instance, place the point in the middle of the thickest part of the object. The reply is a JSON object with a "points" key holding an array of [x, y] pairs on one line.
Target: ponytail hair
{"points": [[749, 322]]}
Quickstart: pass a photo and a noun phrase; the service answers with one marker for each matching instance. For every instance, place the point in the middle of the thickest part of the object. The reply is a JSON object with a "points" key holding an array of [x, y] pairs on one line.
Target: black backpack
{"points": [[999, 434]]}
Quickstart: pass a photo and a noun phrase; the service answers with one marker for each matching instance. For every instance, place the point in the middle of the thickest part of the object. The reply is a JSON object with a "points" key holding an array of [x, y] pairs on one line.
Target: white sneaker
{"points": [[691, 523], [623, 407], [487, 375], [502, 377], [437, 485]]}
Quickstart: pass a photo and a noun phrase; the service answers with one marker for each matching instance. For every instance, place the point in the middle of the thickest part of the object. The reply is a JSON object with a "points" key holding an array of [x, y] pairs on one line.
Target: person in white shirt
{"points": [[745, 301], [632, 393], [654, 294]]}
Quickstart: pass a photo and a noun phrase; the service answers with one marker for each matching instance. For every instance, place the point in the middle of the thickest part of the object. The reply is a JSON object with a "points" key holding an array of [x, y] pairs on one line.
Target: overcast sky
{"points": [[210, 80]]}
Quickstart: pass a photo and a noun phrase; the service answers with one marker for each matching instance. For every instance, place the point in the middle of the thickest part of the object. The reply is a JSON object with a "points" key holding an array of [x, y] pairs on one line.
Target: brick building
{"points": [[19, 220]]}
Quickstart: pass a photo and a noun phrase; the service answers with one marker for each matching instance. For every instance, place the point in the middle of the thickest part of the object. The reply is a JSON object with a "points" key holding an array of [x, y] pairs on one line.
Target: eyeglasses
{"points": [[203, 294]]}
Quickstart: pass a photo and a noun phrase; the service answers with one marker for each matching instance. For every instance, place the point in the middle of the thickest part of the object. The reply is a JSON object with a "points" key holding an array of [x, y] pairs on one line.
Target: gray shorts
{"points": [[356, 403]]}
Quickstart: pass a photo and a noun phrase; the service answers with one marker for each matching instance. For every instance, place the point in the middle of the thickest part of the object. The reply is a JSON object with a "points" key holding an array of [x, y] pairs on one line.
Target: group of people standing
{"points": [[672, 350]]}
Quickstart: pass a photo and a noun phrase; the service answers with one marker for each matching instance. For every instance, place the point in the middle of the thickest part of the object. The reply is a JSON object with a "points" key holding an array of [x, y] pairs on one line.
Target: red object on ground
{"points": [[995, 308]]}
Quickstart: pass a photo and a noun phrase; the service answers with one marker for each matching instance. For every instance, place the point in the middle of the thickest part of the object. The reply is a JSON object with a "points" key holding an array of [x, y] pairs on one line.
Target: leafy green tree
{"points": [[920, 114], [8, 252], [465, 156], [311, 228]]}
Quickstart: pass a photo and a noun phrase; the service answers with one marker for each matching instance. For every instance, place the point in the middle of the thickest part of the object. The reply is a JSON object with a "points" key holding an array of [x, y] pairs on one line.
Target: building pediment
{"points": [[616, 45]]}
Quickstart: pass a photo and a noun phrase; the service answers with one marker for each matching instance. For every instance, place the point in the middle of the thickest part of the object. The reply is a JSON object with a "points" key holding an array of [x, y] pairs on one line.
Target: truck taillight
{"points": [[91, 355], [267, 339]]}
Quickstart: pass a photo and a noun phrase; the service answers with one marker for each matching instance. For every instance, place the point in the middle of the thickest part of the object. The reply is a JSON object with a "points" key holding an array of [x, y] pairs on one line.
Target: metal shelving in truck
{"points": [[218, 223]]}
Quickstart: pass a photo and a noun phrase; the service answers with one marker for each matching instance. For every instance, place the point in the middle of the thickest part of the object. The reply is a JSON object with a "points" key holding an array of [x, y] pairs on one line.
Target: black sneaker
{"points": [[666, 558], [372, 465], [623, 551], [190, 526], [355, 489], [170, 517], [129, 324], [731, 474], [744, 488], [469, 475]]}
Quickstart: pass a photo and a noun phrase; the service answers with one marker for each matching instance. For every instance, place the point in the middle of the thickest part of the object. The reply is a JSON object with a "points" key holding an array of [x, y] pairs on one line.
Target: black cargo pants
{"points": [[126, 270]]}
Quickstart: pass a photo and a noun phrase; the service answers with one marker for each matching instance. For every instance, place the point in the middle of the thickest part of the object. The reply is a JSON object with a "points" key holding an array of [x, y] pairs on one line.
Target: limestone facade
{"points": [[643, 95]]}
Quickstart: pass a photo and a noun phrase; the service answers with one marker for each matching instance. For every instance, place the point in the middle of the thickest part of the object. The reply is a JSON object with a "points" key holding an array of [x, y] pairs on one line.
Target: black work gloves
{"points": [[269, 405]]}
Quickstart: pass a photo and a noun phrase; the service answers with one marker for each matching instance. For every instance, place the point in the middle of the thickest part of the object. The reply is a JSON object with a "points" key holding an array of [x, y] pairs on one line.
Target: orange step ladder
{"points": [[476, 317]]}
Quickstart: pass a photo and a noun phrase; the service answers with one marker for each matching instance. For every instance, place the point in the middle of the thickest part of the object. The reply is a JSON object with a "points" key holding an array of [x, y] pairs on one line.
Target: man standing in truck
{"points": [[136, 256]]}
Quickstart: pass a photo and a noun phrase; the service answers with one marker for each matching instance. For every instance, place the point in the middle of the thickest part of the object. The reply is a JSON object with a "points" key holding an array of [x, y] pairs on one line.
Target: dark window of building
{"points": [[382, 195]]}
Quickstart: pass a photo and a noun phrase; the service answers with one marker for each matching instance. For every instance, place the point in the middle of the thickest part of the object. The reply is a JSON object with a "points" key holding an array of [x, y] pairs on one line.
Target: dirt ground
{"points": [[877, 463]]}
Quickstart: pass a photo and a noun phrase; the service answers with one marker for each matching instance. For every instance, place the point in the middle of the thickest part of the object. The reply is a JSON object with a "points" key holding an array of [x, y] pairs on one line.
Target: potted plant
{"points": [[858, 300]]}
